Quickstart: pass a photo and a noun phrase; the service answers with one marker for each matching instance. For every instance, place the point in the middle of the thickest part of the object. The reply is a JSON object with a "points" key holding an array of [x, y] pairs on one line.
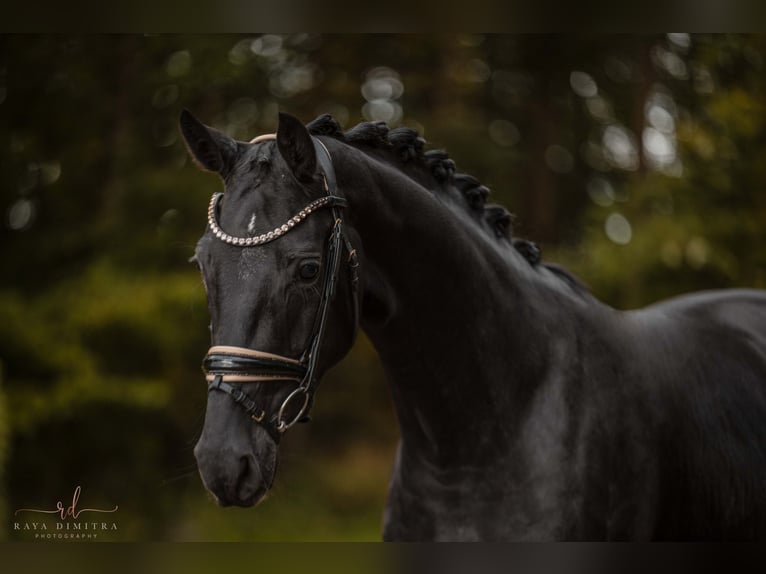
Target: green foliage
{"points": [[698, 228]]}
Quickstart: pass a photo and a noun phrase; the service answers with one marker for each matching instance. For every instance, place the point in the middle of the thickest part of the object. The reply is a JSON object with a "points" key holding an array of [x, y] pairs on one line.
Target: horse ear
{"points": [[210, 149], [296, 147]]}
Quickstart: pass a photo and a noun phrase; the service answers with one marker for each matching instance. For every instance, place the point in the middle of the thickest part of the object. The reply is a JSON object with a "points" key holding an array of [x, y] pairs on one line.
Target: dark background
{"points": [[635, 161]]}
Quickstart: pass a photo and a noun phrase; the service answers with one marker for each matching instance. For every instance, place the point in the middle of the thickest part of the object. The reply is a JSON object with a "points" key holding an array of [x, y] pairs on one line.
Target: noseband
{"points": [[227, 364]]}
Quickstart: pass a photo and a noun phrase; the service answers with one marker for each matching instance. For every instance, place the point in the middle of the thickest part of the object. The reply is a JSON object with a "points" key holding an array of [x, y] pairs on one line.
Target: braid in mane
{"points": [[440, 164], [474, 193], [371, 134], [326, 125], [529, 249], [407, 144], [499, 220]]}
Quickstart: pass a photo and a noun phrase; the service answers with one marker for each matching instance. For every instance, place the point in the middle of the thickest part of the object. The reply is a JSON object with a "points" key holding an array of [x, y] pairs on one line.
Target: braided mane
{"points": [[435, 171]]}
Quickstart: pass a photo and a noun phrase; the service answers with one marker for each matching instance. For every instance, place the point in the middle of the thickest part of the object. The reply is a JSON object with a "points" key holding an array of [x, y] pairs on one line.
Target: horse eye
{"points": [[309, 270]]}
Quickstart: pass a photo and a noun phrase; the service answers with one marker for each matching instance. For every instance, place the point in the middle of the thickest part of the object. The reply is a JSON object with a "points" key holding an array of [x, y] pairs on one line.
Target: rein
{"points": [[228, 364]]}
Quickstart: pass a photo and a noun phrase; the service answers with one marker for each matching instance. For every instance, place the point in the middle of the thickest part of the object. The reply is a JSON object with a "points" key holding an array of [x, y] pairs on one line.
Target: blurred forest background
{"points": [[639, 162]]}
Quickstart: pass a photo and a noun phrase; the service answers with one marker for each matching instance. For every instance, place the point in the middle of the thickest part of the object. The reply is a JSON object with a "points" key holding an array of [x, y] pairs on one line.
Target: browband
{"points": [[263, 137]]}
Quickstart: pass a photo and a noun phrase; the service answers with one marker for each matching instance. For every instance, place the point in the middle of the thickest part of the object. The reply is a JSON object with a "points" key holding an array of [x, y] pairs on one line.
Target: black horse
{"points": [[528, 410]]}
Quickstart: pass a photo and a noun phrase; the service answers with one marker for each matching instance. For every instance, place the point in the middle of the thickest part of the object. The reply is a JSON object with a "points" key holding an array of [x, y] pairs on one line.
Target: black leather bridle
{"points": [[226, 364]]}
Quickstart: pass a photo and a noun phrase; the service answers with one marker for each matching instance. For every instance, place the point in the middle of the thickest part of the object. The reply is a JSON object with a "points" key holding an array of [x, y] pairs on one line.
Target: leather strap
{"points": [[263, 137], [325, 162], [246, 365], [244, 352], [256, 413]]}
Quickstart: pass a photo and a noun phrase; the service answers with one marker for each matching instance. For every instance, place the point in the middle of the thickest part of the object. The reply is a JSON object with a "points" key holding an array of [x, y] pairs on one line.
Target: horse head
{"points": [[280, 275]]}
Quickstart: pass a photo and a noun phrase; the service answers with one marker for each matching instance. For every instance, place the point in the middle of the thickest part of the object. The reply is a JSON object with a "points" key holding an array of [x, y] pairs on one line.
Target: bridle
{"points": [[227, 364]]}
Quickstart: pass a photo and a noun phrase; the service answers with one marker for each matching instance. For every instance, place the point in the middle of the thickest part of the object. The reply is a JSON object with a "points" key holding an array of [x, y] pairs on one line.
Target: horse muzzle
{"points": [[235, 476]]}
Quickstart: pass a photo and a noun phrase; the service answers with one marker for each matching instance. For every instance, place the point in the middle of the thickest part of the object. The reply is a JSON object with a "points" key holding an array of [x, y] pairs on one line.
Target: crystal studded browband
{"points": [[326, 201]]}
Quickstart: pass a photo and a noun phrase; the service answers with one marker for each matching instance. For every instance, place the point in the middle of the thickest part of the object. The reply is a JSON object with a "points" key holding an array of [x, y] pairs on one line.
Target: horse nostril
{"points": [[247, 478], [244, 467]]}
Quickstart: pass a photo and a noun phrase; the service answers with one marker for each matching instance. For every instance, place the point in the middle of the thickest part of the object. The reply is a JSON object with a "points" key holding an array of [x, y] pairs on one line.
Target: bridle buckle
{"points": [[259, 418]]}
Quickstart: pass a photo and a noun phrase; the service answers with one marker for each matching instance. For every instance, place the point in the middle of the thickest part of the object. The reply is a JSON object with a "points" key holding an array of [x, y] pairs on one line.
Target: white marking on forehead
{"points": [[258, 139], [263, 137]]}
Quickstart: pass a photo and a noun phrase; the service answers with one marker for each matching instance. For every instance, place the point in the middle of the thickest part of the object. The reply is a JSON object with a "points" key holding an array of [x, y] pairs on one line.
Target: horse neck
{"points": [[455, 316]]}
